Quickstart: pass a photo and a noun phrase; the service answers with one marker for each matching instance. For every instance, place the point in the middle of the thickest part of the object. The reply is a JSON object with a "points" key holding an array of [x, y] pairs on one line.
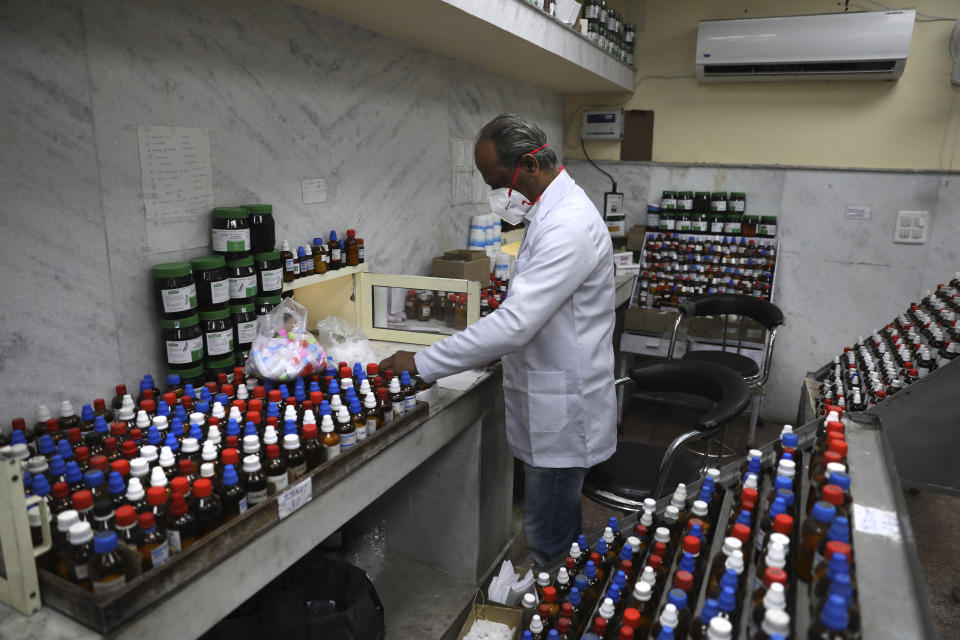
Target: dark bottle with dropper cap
{"points": [[209, 507]]}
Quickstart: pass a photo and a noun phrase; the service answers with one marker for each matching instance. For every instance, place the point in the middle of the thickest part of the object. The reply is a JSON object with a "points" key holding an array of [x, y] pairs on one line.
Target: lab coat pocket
{"points": [[547, 401]]}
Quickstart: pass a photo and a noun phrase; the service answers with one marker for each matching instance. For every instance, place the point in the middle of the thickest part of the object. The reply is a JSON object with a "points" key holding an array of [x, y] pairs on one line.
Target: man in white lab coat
{"points": [[553, 332]]}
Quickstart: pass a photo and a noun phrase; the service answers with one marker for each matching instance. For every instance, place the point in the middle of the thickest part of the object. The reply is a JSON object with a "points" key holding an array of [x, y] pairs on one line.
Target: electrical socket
{"points": [[911, 227]]}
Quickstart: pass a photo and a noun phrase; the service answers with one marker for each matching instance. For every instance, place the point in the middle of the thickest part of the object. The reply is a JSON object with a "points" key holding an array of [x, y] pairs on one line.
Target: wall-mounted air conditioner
{"points": [[870, 45]]}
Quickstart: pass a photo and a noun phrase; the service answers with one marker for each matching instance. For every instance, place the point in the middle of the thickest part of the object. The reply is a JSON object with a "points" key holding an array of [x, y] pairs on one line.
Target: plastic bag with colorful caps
{"points": [[284, 348]]}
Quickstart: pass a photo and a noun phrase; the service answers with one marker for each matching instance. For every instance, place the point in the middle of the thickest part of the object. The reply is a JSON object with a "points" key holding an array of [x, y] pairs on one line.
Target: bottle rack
{"points": [[107, 614]]}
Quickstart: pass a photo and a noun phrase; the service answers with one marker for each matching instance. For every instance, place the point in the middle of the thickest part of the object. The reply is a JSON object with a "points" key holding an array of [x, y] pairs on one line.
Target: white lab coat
{"points": [[554, 333]]}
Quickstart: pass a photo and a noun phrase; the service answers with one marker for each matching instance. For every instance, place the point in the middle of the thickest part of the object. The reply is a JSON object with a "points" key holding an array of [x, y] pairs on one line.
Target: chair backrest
{"points": [[729, 392], [719, 304]]}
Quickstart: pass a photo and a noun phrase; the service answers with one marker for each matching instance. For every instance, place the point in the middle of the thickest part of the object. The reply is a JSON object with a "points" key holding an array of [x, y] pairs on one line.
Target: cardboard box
{"points": [[649, 320], [635, 237], [463, 264], [623, 258], [503, 615]]}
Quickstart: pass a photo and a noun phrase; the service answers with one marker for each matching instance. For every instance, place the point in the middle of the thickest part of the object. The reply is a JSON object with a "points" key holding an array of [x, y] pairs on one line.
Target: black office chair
{"points": [[724, 305], [638, 470]]}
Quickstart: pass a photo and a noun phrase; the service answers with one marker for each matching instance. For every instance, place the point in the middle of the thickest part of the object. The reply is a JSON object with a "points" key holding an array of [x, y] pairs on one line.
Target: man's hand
{"points": [[400, 361]]}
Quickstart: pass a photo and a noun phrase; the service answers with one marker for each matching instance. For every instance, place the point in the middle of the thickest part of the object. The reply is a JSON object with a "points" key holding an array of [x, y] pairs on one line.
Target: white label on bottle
{"points": [[716, 227], [242, 505], [325, 257], [294, 498], [111, 586], [180, 299], [184, 351], [173, 540], [398, 410], [360, 252], [361, 432], [307, 266], [409, 403], [278, 482], [371, 426], [272, 280], [296, 267], [160, 554], [686, 204], [297, 471], [668, 224], [335, 255], [256, 497], [739, 206], [388, 417], [243, 287], [80, 571], [288, 265], [219, 291], [331, 451], [219, 342], [246, 332], [234, 240], [348, 440], [590, 12]]}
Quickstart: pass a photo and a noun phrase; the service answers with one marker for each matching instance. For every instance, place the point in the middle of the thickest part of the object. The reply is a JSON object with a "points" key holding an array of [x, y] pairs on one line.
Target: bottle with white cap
{"points": [[40, 427], [543, 580], [537, 631], [127, 412], [135, 496], [68, 417], [157, 477], [251, 446], [256, 480], [167, 463], [720, 629], [346, 429], [776, 622], [772, 597], [329, 439], [719, 564], [78, 557], [529, 607], [641, 599], [143, 421], [296, 461], [60, 539], [668, 618]]}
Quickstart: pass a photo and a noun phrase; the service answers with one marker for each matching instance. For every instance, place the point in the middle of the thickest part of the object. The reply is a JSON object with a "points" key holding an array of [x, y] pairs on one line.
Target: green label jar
{"points": [[768, 227], [718, 202], [244, 318], [213, 286], [685, 201], [683, 221], [183, 340], [217, 333], [243, 278], [265, 304], [230, 231], [698, 223], [668, 201], [668, 221], [732, 224], [216, 366], [175, 289], [716, 223], [737, 202], [269, 272]]}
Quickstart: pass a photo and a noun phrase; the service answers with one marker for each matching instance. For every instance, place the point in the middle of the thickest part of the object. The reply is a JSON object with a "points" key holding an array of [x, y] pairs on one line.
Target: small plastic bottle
{"points": [[528, 606], [720, 629], [346, 430], [668, 618], [772, 598], [153, 542], [641, 600], [106, 566]]}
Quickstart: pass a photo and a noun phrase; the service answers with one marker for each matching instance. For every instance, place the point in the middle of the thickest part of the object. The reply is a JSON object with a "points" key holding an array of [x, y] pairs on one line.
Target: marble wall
{"points": [[837, 278], [286, 93]]}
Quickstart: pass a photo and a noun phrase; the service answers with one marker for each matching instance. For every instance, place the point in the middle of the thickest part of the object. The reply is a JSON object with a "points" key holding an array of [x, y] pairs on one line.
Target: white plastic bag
{"points": [[283, 348], [344, 341]]}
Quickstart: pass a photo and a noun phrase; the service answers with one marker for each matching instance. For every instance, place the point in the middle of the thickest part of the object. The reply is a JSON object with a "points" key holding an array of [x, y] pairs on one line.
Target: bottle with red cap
{"points": [[209, 509], [125, 524], [153, 548], [181, 525], [276, 471], [60, 498], [157, 498], [83, 505], [311, 446]]}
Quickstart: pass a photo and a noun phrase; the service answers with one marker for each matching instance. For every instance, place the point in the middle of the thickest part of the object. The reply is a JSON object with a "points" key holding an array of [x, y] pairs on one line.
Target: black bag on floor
{"points": [[317, 598]]}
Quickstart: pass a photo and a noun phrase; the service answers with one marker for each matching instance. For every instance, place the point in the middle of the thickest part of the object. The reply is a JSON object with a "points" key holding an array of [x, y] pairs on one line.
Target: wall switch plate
{"points": [[911, 227]]}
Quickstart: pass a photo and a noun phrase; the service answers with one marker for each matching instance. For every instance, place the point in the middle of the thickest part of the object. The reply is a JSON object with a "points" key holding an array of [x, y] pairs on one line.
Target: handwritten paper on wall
{"points": [[177, 183]]}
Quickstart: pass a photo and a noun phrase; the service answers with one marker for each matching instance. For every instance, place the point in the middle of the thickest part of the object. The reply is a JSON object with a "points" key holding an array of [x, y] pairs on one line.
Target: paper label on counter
{"points": [[294, 498], [877, 522]]}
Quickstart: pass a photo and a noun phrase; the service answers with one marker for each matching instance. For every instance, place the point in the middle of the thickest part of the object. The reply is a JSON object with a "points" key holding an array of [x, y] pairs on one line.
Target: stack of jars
{"points": [[703, 212]]}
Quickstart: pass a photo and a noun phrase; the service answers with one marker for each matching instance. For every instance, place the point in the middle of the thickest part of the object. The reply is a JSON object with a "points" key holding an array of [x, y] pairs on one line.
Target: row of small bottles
{"points": [[319, 257], [624, 574], [676, 267], [161, 464], [914, 344]]}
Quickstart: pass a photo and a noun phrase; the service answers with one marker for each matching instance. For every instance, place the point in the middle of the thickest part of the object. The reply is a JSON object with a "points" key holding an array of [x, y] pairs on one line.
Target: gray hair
{"points": [[513, 137]]}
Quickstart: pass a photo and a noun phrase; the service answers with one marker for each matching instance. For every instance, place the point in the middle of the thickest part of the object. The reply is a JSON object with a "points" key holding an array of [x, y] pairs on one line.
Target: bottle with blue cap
{"points": [[116, 489], [64, 450], [409, 391], [727, 605], [57, 469], [699, 626], [74, 477], [86, 418], [839, 532], [358, 418], [95, 482], [814, 530], [841, 586], [777, 507], [106, 567], [837, 561], [832, 622]]}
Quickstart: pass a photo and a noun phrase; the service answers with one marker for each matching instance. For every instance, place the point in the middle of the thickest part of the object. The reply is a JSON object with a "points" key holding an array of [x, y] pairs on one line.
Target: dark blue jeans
{"points": [[551, 510]]}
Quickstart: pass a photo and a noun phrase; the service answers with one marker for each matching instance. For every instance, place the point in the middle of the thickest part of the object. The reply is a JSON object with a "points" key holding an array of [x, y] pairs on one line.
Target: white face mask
{"points": [[511, 207]]}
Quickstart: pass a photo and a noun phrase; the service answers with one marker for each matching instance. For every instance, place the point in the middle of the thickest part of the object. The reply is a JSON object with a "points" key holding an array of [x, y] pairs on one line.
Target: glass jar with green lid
{"points": [[701, 202], [230, 232], [715, 223], [183, 342], [733, 223], [699, 223], [244, 318], [263, 235], [668, 221], [749, 227], [737, 202], [685, 201], [243, 278], [718, 202], [265, 304], [683, 221], [269, 266], [217, 330], [213, 286], [668, 201], [767, 227], [215, 366], [175, 290]]}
